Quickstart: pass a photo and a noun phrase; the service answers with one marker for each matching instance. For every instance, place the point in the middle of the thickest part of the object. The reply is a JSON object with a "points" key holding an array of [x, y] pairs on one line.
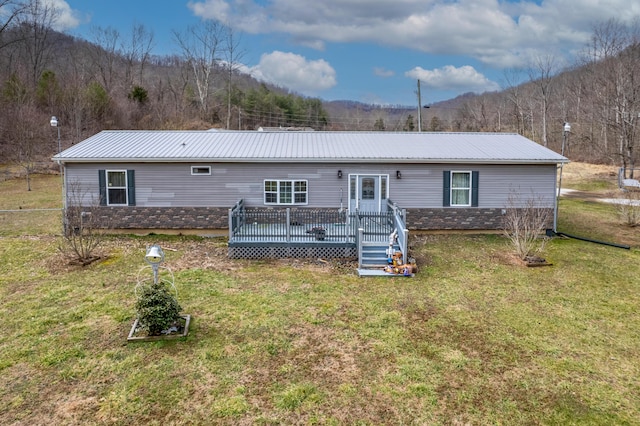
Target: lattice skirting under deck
{"points": [[300, 252]]}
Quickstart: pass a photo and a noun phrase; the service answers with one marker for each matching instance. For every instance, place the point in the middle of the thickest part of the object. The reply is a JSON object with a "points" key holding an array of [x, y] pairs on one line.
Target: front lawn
{"points": [[474, 338]]}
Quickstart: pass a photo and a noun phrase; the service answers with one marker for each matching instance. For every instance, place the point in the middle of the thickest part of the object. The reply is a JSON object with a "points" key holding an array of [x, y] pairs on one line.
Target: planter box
{"points": [[169, 336]]}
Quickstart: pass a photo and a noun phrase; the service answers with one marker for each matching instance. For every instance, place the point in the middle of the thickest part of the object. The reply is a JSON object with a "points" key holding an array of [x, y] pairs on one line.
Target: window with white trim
{"points": [[117, 188], [460, 188], [285, 192], [201, 170]]}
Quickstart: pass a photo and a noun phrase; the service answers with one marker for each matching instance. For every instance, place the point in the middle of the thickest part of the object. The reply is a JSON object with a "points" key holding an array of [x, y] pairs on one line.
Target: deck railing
{"points": [[235, 218], [376, 225], [290, 225], [399, 224], [307, 225]]}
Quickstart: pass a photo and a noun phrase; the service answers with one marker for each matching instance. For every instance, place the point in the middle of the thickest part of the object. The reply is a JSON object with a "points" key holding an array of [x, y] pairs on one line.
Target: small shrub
{"points": [[157, 308], [628, 207], [138, 94]]}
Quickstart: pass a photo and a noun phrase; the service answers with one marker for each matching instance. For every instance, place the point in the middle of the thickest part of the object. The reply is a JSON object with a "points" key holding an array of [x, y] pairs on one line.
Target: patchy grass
{"points": [[28, 216], [474, 338], [589, 177], [46, 192]]}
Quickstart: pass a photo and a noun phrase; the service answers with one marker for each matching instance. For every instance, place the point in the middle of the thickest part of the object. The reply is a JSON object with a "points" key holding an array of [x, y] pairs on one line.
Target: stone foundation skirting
{"points": [[162, 217], [459, 219], [178, 218]]}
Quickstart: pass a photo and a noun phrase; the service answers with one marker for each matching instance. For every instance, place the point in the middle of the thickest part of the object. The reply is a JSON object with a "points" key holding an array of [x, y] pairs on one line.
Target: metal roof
{"points": [[347, 147]]}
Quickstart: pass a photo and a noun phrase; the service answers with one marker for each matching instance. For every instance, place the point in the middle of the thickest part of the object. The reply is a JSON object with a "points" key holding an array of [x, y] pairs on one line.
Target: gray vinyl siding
{"points": [[421, 185], [173, 185]]}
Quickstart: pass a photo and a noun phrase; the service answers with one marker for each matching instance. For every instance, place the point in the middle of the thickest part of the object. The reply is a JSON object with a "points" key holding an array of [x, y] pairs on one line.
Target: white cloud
{"points": [[381, 72], [295, 72], [211, 9], [493, 31], [462, 79], [66, 18]]}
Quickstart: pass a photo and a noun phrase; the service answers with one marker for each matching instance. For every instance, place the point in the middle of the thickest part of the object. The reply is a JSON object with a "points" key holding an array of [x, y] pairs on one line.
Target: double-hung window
{"points": [[117, 187], [285, 191], [460, 188]]}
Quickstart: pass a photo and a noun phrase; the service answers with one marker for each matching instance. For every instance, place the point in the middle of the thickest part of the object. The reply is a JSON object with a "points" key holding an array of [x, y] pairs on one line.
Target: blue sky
{"points": [[369, 50]]}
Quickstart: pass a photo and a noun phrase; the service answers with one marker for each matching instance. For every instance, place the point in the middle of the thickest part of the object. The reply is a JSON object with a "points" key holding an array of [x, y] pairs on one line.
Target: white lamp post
{"points": [[54, 123], [566, 129]]}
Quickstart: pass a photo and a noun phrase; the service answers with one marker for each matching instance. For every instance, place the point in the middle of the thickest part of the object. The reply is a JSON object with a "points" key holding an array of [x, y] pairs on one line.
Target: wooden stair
{"points": [[374, 259]]}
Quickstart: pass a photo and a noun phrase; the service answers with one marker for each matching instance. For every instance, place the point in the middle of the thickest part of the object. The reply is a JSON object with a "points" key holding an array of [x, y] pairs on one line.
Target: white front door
{"points": [[368, 193]]}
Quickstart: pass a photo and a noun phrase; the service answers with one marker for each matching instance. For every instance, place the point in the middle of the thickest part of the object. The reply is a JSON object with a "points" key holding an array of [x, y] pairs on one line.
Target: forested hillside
{"points": [[598, 95], [114, 81]]}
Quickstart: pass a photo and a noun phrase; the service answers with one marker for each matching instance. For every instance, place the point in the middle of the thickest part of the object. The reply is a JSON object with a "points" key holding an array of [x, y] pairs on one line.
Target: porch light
{"points": [[339, 174], [398, 174]]}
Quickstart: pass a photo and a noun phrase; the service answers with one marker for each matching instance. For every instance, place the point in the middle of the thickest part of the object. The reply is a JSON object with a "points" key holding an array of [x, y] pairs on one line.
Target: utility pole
{"points": [[419, 109]]}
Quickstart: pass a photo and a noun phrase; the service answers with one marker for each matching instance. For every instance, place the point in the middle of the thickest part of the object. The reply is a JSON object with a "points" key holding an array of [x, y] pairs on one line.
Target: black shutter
{"points": [[131, 187], [446, 188], [474, 188], [102, 183]]}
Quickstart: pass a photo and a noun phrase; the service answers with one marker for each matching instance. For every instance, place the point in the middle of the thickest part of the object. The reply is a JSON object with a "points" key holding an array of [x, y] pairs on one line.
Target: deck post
{"points": [[405, 245], [230, 224], [288, 224], [360, 240]]}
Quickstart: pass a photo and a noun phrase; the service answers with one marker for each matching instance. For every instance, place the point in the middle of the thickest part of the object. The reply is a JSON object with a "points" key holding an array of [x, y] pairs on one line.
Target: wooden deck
{"points": [[256, 225], [306, 232]]}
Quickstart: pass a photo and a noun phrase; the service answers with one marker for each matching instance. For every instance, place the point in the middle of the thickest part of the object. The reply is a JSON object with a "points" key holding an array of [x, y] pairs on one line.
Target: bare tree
{"points": [[200, 49], [614, 65], [81, 237], [10, 10], [136, 54], [524, 224], [541, 73], [177, 82], [513, 90], [26, 148], [74, 103], [26, 141], [34, 26], [105, 55], [233, 54]]}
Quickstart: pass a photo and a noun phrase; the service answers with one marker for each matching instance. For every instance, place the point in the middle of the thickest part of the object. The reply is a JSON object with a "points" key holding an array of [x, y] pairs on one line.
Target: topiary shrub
{"points": [[157, 308]]}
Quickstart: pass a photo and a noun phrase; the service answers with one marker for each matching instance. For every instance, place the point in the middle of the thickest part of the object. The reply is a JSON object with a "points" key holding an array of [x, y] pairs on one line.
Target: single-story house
{"points": [[193, 180]]}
